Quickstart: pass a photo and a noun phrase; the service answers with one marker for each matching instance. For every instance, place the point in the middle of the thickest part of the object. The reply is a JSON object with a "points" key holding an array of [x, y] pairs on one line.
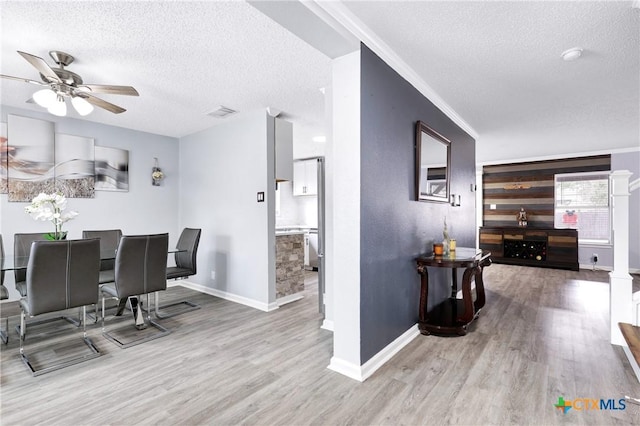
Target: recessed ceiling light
{"points": [[319, 139], [572, 54]]}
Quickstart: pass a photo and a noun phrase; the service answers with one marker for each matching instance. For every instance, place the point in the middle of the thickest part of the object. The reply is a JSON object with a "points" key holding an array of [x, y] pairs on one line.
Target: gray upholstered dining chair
{"points": [[4, 295], [140, 269], [185, 267], [60, 275], [22, 248], [109, 240]]}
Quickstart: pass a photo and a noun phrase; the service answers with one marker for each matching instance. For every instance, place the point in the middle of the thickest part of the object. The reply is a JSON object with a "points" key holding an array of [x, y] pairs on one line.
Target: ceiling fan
{"points": [[61, 83]]}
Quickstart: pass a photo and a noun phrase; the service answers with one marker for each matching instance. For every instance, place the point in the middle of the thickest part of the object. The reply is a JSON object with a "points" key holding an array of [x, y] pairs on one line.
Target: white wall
{"points": [[298, 210], [288, 205], [222, 169], [304, 146], [144, 209], [631, 161], [344, 234]]}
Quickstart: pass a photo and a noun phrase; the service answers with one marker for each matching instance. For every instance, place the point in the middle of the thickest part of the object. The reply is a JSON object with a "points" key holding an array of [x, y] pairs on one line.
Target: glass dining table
{"points": [[11, 263]]}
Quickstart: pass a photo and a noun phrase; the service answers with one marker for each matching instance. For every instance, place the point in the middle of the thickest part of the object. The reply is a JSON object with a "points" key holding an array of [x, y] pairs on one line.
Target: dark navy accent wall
{"points": [[395, 228]]}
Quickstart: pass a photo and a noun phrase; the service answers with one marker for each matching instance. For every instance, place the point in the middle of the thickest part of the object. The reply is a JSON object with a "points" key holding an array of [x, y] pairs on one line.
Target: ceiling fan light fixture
{"points": [[59, 107], [81, 106], [45, 97]]}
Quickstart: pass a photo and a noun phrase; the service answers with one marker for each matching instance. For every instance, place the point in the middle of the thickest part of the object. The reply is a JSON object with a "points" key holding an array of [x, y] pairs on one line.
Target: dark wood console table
{"points": [[452, 316]]}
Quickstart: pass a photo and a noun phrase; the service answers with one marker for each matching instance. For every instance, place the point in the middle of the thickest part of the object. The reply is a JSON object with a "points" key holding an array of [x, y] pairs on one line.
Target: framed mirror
{"points": [[433, 164]]}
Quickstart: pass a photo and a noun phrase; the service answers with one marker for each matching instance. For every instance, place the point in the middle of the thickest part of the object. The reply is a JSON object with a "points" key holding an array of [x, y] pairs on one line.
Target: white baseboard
{"points": [[364, 371], [289, 298], [379, 359], [327, 325], [607, 268], [598, 268], [227, 296], [351, 370]]}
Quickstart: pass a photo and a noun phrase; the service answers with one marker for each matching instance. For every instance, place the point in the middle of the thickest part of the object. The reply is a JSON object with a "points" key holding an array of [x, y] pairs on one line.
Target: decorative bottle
{"points": [[445, 242]]}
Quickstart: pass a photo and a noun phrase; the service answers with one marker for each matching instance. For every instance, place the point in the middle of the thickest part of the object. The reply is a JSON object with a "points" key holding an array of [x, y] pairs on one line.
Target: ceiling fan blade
{"points": [[111, 90], [100, 103], [41, 66], [25, 80]]}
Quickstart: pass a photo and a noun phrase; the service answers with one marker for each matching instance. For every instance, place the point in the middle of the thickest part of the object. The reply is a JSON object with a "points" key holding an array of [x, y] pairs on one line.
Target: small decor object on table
{"points": [[156, 174], [50, 207], [522, 217], [446, 242]]}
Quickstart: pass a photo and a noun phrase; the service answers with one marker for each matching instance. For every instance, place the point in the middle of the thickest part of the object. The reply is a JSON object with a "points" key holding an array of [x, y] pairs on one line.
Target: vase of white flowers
{"points": [[50, 207], [156, 173]]}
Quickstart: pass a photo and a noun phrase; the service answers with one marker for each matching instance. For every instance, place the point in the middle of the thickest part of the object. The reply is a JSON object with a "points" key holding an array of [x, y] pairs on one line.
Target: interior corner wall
{"points": [[631, 161], [343, 215], [394, 229], [222, 169]]}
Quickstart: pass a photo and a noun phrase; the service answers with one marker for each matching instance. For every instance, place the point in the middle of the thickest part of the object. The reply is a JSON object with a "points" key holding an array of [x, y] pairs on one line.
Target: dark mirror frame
{"points": [[421, 128]]}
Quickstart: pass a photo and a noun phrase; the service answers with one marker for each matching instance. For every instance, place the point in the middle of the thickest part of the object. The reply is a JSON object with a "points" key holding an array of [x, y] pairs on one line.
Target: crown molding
{"points": [[339, 13]]}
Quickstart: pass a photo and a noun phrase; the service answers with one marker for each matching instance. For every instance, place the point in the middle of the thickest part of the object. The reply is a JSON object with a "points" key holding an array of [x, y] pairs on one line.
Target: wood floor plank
{"points": [[542, 334]]}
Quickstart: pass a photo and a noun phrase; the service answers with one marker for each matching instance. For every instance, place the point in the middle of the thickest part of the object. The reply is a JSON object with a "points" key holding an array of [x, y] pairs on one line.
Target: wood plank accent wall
{"points": [[529, 185]]}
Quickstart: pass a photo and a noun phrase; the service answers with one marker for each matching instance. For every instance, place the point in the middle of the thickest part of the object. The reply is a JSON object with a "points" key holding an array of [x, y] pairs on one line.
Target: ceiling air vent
{"points": [[221, 112]]}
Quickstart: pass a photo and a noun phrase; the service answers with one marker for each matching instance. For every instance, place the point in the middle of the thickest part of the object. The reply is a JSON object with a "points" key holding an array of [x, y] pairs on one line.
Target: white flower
{"points": [[49, 207]]}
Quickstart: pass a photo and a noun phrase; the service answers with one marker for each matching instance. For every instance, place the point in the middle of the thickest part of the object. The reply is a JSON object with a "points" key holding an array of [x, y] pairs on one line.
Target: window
{"points": [[582, 203]]}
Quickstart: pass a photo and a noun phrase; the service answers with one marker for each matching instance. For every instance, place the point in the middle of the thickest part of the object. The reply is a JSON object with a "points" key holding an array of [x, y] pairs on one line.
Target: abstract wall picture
{"points": [[111, 169], [4, 158], [30, 157], [74, 170]]}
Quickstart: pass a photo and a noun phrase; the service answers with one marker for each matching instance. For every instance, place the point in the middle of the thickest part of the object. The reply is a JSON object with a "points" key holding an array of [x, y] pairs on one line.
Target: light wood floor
{"points": [[543, 334]]}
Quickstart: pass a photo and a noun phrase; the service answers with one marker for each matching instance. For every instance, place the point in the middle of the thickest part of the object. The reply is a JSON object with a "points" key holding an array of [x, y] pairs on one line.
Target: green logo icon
{"points": [[563, 405]]}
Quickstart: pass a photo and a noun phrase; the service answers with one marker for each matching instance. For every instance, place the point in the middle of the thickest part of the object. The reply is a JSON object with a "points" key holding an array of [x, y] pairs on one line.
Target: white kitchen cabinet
{"points": [[305, 177]]}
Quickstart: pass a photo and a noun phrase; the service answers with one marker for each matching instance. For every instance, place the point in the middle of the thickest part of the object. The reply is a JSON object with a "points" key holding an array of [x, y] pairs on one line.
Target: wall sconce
{"points": [[156, 173], [454, 200]]}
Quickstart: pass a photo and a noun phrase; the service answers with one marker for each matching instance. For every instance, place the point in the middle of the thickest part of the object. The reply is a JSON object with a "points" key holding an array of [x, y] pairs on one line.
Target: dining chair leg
{"points": [[95, 352], [73, 321], [140, 324], [22, 331], [4, 334], [190, 306]]}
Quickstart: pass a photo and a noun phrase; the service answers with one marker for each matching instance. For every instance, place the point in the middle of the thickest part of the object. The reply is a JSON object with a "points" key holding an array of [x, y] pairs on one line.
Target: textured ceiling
{"points": [[497, 64], [184, 58]]}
